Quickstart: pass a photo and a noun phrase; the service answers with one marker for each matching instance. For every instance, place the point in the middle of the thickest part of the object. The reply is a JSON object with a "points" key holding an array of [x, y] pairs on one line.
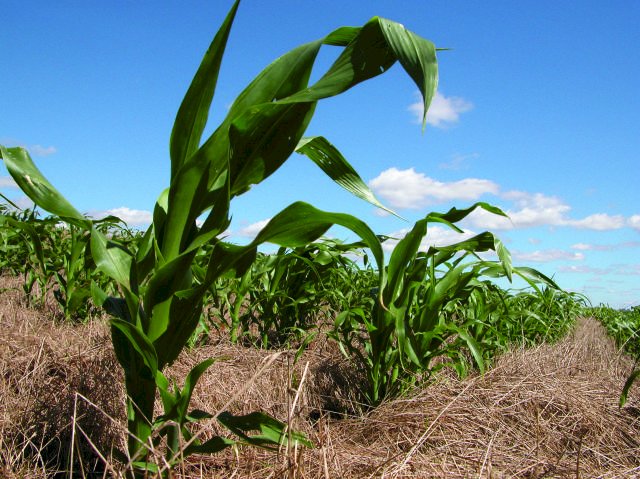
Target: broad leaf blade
{"points": [[37, 187], [137, 341], [336, 166], [418, 57], [111, 258]]}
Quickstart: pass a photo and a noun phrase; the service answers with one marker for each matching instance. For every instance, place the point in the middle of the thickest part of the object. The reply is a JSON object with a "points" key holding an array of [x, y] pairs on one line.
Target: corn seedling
{"points": [[160, 301]]}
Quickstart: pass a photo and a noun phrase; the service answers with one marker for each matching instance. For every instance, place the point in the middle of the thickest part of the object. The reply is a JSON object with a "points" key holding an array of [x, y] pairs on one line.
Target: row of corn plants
{"points": [[166, 288], [623, 325], [52, 256]]}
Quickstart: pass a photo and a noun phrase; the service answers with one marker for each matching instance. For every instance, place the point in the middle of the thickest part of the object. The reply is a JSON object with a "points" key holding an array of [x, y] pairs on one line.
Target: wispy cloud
{"points": [[408, 189], [614, 269], [634, 222], [252, 230], [546, 256], [605, 247], [458, 162], [7, 182], [582, 269], [39, 150], [443, 111], [130, 216]]}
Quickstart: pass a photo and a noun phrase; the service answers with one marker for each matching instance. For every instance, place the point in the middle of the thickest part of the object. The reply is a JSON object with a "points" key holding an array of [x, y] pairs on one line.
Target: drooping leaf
{"points": [[331, 161], [272, 432], [33, 183], [137, 341]]}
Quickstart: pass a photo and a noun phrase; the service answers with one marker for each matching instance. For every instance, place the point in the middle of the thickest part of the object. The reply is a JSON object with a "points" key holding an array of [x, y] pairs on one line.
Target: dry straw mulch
{"points": [[545, 412]]}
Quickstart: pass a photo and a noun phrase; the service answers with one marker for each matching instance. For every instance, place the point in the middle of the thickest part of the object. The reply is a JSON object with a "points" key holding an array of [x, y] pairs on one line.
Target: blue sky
{"points": [[537, 112]]}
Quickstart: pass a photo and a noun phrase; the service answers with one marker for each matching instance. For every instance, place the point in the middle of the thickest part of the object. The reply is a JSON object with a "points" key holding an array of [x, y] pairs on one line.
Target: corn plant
{"points": [[160, 300], [421, 292]]}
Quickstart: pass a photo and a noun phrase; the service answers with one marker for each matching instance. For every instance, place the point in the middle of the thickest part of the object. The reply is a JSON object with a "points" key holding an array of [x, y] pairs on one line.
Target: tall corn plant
{"points": [[161, 301]]}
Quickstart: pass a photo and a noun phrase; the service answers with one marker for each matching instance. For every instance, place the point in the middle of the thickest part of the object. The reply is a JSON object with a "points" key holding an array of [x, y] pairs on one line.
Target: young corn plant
{"points": [[290, 292], [405, 332], [160, 299]]}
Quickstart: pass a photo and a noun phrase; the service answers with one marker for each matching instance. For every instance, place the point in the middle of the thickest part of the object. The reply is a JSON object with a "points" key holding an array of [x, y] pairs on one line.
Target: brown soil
{"points": [[544, 412]]}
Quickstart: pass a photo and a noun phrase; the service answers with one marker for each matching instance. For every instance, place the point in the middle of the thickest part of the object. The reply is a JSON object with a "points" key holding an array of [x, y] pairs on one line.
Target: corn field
{"points": [[180, 285]]}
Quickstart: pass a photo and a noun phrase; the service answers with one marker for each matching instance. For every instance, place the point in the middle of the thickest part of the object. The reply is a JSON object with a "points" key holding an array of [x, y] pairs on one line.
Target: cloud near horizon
{"points": [[443, 111], [130, 216], [546, 256], [536, 209], [409, 189]]}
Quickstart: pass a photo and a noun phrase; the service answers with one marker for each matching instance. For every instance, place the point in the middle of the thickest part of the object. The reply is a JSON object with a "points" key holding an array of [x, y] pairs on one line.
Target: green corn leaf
{"points": [[116, 307], [283, 77], [136, 340], [194, 110], [627, 386], [213, 445], [34, 238], [145, 466], [366, 56], [505, 257], [189, 385], [331, 161], [455, 215], [262, 139], [112, 259], [177, 323], [472, 344], [272, 432], [168, 398], [533, 276], [168, 279], [33, 183], [403, 253], [418, 57]]}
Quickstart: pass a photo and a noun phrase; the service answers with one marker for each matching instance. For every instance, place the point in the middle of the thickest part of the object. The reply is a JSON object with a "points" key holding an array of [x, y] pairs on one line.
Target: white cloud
{"points": [[443, 110], [634, 222], [436, 236], [545, 256], [536, 209], [582, 268], [7, 182], [599, 222], [130, 216], [530, 210], [409, 189], [252, 230]]}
